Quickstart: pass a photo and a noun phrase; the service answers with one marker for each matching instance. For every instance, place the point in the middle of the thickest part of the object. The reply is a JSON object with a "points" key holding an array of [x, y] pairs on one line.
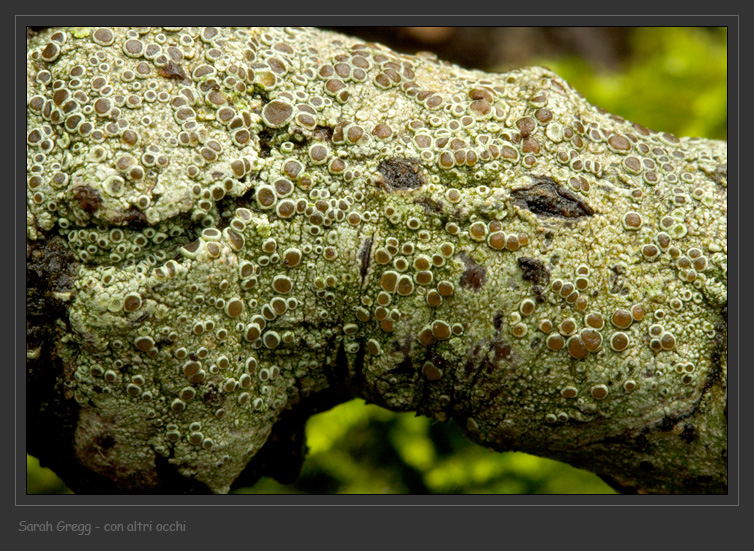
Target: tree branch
{"points": [[231, 229]]}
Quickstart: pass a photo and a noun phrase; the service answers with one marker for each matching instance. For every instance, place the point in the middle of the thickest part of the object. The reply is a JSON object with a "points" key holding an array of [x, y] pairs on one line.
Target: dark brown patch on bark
{"points": [[265, 143], [322, 133], [439, 361], [401, 174], [132, 216], [539, 293], [472, 360], [617, 280], [501, 353], [475, 275], [497, 321], [173, 70], [364, 258], [405, 367], [212, 395], [667, 424], [548, 198], [534, 270], [432, 207], [50, 268], [87, 197], [689, 433], [641, 443]]}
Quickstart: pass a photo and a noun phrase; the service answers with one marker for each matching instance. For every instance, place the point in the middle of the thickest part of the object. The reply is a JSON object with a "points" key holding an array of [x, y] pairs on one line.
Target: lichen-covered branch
{"points": [[230, 229]]}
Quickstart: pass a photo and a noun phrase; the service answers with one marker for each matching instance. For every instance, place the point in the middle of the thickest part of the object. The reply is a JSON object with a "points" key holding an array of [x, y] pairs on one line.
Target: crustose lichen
{"points": [[234, 226]]}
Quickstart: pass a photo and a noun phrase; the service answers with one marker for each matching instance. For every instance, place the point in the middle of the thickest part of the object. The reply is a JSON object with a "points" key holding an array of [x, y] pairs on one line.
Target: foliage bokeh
{"points": [[671, 79], [675, 80]]}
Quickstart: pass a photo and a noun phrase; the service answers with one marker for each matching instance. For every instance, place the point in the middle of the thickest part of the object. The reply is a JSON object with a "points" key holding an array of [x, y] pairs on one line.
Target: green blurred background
{"points": [[672, 79]]}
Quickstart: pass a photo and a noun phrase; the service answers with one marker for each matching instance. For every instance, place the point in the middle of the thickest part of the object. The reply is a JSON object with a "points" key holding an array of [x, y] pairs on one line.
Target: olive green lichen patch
{"points": [[254, 210]]}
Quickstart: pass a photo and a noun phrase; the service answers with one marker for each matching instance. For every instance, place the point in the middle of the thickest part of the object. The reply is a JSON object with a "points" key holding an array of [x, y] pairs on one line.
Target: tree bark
{"points": [[229, 230]]}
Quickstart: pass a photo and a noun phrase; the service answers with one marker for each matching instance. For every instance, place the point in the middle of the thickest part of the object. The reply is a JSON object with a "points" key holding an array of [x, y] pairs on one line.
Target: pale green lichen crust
{"points": [[249, 206]]}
